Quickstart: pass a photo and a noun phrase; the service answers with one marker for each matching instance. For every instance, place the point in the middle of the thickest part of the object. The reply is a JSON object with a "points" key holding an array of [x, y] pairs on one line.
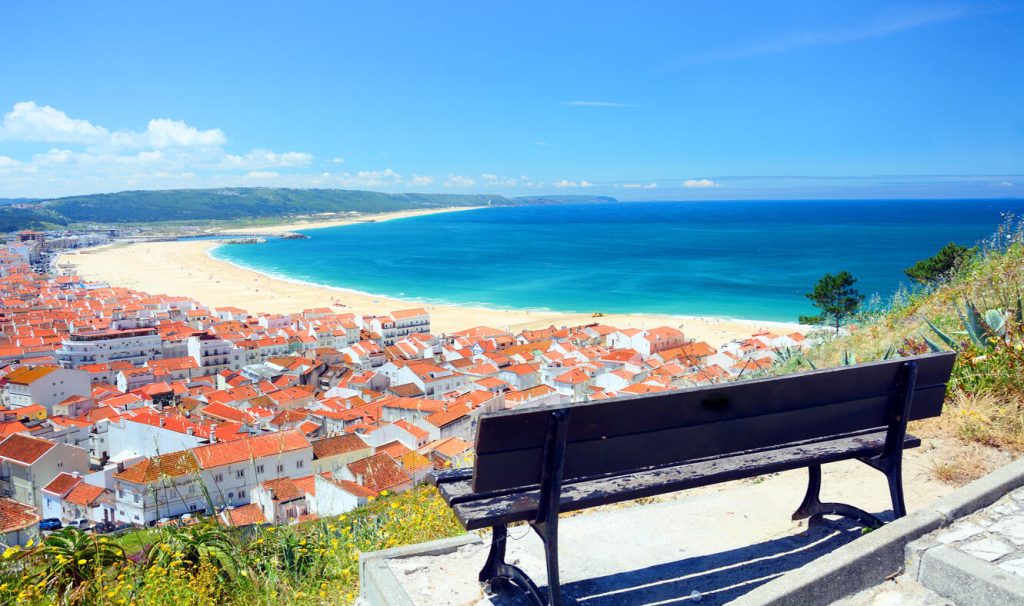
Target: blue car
{"points": [[50, 524]]}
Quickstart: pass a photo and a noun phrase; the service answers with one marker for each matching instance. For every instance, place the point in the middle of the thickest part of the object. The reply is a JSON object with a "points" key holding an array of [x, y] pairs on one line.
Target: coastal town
{"points": [[122, 408]]}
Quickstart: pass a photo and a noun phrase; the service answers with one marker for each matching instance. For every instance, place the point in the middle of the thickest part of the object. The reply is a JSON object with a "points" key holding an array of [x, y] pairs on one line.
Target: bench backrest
{"points": [[625, 434]]}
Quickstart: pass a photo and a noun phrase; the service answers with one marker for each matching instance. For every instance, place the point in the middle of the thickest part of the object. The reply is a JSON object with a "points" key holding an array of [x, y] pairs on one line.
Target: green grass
{"points": [[135, 540], [311, 563]]}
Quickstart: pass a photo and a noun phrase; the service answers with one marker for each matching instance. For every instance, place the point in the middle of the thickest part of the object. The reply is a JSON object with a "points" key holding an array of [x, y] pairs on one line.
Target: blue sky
{"points": [[639, 100]]}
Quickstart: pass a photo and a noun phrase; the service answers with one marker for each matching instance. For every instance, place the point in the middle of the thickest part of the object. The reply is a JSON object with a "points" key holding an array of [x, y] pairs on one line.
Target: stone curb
{"points": [[870, 560], [967, 580], [378, 585]]}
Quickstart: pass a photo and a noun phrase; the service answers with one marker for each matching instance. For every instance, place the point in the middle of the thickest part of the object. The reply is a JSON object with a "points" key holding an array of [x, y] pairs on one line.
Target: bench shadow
{"points": [[709, 580]]}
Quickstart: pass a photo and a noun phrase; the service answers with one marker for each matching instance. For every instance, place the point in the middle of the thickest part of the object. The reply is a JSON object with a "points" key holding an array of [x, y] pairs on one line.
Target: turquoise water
{"points": [[726, 259]]}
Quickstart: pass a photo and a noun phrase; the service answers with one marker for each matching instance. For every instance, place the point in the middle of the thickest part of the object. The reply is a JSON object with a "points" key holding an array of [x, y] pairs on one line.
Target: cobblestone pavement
{"points": [[939, 574], [994, 534]]}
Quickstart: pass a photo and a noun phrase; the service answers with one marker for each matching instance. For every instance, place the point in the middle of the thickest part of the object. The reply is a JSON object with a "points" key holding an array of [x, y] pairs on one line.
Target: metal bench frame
{"points": [[497, 574]]}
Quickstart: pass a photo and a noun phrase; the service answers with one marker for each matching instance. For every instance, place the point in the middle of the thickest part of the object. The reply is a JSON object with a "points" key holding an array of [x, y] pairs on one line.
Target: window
{"points": [[280, 468], [259, 469], [240, 473], [218, 477], [299, 464]]}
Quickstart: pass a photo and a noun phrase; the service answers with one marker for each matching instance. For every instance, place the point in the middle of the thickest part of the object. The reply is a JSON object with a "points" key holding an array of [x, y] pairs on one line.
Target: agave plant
{"points": [[982, 330], [849, 358], [72, 557], [791, 357], [192, 545]]}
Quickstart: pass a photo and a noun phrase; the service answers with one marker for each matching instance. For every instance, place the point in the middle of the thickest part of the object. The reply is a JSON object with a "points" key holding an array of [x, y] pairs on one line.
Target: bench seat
{"points": [[476, 511]]}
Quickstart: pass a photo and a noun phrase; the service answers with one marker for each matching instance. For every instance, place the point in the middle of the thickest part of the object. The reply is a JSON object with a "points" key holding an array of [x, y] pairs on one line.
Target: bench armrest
{"points": [[449, 475]]}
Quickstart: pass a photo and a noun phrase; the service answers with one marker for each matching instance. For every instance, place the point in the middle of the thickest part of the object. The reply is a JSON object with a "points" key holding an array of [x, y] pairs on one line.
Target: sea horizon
{"points": [[760, 238]]}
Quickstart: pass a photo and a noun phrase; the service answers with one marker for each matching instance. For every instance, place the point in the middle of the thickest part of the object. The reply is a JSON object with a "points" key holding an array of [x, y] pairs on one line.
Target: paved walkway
{"points": [[978, 560]]}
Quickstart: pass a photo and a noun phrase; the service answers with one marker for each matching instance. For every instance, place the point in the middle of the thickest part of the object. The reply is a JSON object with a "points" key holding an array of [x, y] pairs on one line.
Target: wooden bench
{"points": [[533, 463]]}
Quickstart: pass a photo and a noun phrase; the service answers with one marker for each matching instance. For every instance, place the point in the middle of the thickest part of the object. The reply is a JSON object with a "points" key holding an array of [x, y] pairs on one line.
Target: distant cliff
{"points": [[242, 203]]}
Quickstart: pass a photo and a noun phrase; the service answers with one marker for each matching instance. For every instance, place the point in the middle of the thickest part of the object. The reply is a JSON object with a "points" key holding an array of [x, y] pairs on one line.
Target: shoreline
{"points": [[304, 225], [414, 302], [186, 268]]}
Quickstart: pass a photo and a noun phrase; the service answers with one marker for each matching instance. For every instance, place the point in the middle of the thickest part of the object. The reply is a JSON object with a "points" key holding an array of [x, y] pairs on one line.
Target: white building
{"points": [[28, 464], [136, 345], [45, 385], [214, 354], [223, 473]]}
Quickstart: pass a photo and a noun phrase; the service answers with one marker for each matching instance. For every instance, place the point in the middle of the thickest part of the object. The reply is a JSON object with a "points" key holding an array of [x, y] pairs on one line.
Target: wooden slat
{"points": [[438, 478], [476, 511], [617, 436]]}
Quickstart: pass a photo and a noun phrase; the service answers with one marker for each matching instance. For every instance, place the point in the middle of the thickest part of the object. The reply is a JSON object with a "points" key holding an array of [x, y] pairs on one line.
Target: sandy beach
{"points": [[185, 268], [319, 223]]}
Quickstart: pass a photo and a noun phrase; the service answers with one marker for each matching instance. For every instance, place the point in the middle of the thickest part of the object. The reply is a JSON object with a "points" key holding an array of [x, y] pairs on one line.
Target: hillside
{"points": [[976, 311], [242, 203]]}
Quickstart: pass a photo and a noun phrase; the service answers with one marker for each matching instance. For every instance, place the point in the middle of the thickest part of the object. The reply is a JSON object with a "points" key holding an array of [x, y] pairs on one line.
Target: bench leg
{"points": [[497, 573], [812, 507], [548, 532], [895, 477]]}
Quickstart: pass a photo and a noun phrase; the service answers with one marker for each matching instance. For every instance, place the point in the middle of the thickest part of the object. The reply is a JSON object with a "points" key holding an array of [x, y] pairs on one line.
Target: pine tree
{"points": [[837, 299]]}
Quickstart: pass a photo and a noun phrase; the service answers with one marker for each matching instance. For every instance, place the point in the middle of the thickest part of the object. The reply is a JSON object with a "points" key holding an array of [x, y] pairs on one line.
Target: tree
{"points": [[837, 299], [927, 271]]}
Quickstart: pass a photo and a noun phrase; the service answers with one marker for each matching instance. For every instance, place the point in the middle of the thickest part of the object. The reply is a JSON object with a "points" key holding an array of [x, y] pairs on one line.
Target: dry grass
{"points": [[963, 466], [982, 418]]}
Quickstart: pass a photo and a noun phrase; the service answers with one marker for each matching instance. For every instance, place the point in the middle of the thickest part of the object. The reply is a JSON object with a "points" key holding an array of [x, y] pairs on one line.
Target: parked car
{"points": [[81, 523], [103, 527], [50, 524]]}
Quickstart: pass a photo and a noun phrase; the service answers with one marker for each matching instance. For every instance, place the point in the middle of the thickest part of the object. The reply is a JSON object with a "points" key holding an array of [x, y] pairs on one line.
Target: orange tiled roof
{"points": [[379, 472], [336, 445], [24, 449], [16, 516], [236, 451], [62, 483], [84, 494], [246, 515], [166, 465], [27, 374]]}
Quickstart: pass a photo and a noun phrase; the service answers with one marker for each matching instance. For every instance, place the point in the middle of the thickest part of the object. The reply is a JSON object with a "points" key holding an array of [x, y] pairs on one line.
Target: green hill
{"points": [[243, 203]]}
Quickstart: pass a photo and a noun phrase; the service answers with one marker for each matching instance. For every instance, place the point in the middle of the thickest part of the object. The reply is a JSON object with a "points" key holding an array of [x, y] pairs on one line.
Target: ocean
{"points": [[751, 260]]}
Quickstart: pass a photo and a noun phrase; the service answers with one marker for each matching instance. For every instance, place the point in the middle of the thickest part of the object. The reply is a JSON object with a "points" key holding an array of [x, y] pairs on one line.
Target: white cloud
{"points": [[491, 179], [264, 158], [262, 174], [163, 133], [31, 122], [640, 185], [700, 183], [565, 183], [338, 160], [370, 178], [586, 184], [1001, 183], [596, 104], [422, 180], [459, 181], [8, 162]]}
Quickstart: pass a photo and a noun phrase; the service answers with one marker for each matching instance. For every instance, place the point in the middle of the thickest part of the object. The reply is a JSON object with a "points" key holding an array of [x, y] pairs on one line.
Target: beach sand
{"points": [[318, 223], [186, 269]]}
